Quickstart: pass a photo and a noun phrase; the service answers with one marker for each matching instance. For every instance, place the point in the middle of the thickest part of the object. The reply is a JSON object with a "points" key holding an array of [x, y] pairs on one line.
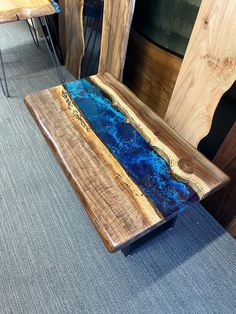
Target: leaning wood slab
{"points": [[14, 10], [117, 19], [131, 171], [207, 72]]}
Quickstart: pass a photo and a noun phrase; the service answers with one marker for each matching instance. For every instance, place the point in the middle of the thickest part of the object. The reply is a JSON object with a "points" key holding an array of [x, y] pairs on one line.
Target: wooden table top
{"points": [[129, 168], [14, 10]]}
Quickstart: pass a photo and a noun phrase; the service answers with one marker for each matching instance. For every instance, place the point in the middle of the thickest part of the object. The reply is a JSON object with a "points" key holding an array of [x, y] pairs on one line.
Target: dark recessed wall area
{"points": [[167, 23], [224, 118]]}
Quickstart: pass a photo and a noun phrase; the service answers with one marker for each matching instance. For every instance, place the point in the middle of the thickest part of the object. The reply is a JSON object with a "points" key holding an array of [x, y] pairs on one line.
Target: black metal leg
{"points": [[170, 223], [167, 225], [3, 81], [52, 53], [53, 31], [33, 32], [127, 250]]}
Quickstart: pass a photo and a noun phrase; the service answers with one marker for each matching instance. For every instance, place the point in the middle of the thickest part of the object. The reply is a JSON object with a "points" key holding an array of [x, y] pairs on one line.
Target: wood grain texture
{"points": [[117, 18], [223, 204], [207, 71], [119, 211], [151, 73], [14, 10], [74, 35], [186, 163], [71, 34]]}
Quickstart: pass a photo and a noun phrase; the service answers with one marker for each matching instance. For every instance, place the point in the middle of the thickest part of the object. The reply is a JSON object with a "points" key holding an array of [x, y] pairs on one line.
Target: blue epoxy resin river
{"points": [[147, 169]]}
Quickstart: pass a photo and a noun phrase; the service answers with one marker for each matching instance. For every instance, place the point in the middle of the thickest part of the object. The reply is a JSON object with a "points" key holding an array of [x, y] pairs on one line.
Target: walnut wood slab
{"points": [[72, 34], [129, 168], [14, 10], [207, 72], [117, 19]]}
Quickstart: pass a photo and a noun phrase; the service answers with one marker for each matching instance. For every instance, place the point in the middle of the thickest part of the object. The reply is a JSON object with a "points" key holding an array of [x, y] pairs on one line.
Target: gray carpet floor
{"points": [[51, 259]]}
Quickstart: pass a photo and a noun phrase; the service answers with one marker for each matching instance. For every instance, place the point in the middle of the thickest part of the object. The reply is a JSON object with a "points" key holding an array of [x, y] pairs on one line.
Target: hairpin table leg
{"points": [[33, 32], [4, 80], [52, 53], [128, 249]]}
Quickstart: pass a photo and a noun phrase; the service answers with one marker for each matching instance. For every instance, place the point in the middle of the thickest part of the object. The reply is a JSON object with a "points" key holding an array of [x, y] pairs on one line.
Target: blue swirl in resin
{"points": [[147, 169], [56, 6]]}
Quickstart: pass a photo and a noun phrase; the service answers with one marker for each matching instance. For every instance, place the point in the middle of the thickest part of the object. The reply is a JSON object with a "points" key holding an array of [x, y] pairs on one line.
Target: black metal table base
{"points": [[167, 225]]}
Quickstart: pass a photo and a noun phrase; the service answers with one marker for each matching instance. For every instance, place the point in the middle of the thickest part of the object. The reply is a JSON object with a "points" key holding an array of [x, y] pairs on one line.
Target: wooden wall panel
{"points": [[117, 18], [151, 72], [222, 205], [208, 70]]}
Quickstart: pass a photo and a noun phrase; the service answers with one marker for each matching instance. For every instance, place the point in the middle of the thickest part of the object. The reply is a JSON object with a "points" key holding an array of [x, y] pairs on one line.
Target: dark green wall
{"points": [[166, 22]]}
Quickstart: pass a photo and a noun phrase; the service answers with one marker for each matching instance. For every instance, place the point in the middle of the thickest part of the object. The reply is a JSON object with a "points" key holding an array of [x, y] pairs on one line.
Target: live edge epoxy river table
{"points": [[130, 169]]}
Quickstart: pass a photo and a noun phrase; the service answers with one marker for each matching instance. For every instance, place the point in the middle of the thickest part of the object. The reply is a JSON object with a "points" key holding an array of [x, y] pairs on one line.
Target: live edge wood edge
{"points": [[185, 161], [154, 125], [111, 248]]}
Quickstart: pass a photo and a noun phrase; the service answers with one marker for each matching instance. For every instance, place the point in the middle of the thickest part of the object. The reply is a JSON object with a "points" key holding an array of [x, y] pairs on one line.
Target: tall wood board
{"points": [[207, 72], [117, 18], [71, 34]]}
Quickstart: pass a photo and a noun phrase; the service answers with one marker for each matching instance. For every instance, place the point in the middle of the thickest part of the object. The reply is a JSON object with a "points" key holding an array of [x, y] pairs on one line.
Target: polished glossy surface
{"points": [[148, 170]]}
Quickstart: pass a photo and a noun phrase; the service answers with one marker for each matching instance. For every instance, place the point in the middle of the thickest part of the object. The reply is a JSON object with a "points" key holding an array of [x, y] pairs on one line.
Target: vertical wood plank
{"points": [[223, 204], [117, 18], [207, 71], [71, 34]]}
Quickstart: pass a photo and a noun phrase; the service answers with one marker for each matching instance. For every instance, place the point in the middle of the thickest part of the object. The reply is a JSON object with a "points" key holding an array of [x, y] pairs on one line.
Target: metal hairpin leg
{"points": [[4, 80], [52, 53], [33, 32]]}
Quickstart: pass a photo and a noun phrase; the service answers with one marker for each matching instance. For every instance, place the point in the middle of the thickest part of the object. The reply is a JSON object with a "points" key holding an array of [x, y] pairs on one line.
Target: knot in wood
{"points": [[186, 165]]}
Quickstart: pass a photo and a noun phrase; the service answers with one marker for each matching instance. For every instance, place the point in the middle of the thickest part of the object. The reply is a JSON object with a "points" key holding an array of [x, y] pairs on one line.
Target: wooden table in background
{"points": [[14, 10]]}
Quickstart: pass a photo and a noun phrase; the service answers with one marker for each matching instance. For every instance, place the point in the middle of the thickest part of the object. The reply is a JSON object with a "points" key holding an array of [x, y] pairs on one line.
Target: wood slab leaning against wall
{"points": [[207, 72], [117, 18], [115, 35], [72, 34]]}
